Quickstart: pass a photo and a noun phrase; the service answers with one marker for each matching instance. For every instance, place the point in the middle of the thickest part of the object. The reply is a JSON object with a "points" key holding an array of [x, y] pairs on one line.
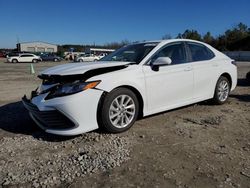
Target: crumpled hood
{"points": [[79, 68]]}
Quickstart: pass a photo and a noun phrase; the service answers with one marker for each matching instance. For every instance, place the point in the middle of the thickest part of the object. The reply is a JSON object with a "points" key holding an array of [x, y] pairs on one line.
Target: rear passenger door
{"points": [[205, 70], [30, 58]]}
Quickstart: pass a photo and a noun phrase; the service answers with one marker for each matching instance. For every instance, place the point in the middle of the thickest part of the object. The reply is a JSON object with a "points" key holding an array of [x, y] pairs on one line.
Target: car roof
{"points": [[26, 54], [168, 41]]}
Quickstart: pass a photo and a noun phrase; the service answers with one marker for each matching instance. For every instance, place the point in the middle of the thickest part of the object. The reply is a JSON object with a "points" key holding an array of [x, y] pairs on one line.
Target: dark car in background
{"points": [[2, 54], [50, 57], [14, 53]]}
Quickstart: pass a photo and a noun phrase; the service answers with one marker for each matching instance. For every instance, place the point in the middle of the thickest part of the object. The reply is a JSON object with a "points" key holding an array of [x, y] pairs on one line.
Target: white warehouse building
{"points": [[37, 47]]}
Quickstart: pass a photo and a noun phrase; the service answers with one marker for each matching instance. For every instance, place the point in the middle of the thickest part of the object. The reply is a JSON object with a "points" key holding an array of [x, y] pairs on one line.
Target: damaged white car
{"points": [[137, 80]]}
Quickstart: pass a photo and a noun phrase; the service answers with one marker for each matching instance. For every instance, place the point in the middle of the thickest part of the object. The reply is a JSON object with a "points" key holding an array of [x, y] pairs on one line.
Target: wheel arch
{"points": [[133, 89], [139, 97], [228, 76], [14, 59]]}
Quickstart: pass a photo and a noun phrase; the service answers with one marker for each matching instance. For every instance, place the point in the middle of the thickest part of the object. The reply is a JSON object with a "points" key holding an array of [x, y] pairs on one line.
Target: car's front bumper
{"points": [[68, 115]]}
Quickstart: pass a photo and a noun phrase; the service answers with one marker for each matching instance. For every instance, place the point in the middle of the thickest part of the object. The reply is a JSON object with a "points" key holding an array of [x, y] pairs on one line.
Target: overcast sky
{"points": [[99, 22]]}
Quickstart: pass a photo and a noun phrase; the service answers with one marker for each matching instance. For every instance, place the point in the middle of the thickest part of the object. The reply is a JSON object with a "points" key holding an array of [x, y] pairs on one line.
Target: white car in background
{"points": [[24, 57], [139, 79], [87, 58], [102, 55]]}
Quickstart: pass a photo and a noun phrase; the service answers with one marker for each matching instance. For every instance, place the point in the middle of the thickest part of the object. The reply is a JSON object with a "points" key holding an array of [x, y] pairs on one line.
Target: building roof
{"points": [[37, 42], [102, 49]]}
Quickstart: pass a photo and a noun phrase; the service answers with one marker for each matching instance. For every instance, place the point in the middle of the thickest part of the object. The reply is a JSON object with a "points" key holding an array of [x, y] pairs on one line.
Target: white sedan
{"points": [[137, 80], [24, 57], [87, 58]]}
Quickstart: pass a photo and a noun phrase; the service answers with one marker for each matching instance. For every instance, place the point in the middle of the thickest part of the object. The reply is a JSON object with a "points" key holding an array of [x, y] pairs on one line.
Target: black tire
{"points": [[80, 60], [55, 60], [34, 61], [104, 112], [14, 61], [221, 100]]}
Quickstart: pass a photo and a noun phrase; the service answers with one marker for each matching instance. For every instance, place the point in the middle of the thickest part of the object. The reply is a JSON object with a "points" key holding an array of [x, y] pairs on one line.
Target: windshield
{"points": [[131, 53]]}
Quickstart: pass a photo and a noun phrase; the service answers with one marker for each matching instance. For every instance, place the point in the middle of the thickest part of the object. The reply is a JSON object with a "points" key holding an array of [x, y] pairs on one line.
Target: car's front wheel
{"points": [[55, 60], [222, 90], [119, 111]]}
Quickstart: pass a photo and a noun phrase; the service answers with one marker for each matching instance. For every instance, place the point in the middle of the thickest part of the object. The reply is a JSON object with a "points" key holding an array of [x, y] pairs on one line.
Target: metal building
{"points": [[37, 47]]}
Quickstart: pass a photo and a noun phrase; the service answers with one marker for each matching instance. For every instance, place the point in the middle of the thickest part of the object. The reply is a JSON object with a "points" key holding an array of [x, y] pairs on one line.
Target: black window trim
{"points": [[188, 51], [148, 62], [26, 55]]}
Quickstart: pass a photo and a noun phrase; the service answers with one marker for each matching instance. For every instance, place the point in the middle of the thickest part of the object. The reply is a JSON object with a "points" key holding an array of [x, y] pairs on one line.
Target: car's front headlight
{"points": [[72, 88]]}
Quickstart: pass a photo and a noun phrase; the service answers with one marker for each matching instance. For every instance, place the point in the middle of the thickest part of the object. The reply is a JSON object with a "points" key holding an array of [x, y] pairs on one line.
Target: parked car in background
{"points": [[137, 80], [102, 55], [50, 57], [87, 57], [23, 57], [2, 54]]}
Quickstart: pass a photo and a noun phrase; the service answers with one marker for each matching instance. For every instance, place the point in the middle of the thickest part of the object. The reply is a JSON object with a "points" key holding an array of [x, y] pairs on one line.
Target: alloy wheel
{"points": [[223, 90], [122, 111]]}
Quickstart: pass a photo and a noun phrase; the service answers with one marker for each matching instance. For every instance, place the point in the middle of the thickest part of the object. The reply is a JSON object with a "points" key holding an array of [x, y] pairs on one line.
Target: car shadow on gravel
{"points": [[243, 82], [15, 119], [243, 98]]}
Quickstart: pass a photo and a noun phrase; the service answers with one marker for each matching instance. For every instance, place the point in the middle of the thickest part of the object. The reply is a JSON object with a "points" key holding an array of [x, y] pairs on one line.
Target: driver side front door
{"points": [[170, 86]]}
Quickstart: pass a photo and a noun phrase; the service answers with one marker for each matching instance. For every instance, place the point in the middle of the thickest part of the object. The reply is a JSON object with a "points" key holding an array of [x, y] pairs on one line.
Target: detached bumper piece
{"points": [[52, 119]]}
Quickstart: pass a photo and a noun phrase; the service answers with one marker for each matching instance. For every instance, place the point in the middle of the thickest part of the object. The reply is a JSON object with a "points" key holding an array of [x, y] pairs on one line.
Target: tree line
{"points": [[235, 39]]}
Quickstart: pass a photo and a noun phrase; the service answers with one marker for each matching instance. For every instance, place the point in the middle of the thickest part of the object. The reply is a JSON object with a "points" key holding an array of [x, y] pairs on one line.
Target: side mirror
{"points": [[161, 61]]}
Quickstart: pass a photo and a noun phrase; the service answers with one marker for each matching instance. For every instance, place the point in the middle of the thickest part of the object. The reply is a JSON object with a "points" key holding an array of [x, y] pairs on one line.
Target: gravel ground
{"points": [[200, 145], [25, 159]]}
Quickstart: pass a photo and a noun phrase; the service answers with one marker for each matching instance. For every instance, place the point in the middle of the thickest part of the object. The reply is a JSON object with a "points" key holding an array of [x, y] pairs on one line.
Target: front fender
{"points": [[131, 77]]}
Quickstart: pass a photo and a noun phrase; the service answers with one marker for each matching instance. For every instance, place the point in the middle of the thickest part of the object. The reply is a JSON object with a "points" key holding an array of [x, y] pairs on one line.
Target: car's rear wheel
{"points": [[34, 61], [14, 61], [222, 90], [119, 111], [55, 60]]}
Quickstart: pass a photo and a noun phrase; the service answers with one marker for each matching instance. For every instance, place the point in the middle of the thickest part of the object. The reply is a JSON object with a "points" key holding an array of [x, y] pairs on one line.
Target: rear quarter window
{"points": [[200, 52]]}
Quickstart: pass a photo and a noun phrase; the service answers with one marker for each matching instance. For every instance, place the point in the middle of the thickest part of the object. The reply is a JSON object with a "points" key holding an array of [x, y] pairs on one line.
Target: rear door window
{"points": [[200, 52]]}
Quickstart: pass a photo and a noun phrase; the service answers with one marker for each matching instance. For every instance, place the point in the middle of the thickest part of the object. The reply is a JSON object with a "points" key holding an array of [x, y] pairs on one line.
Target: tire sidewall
{"points": [[105, 121]]}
